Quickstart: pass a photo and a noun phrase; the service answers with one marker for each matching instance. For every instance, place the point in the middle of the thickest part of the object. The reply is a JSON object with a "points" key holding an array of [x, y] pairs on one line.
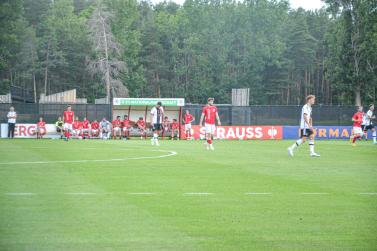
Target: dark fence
{"points": [[230, 115], [30, 113], [278, 115]]}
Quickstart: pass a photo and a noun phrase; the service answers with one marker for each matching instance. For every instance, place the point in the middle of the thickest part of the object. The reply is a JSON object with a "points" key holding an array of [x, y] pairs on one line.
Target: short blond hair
{"points": [[309, 97]]}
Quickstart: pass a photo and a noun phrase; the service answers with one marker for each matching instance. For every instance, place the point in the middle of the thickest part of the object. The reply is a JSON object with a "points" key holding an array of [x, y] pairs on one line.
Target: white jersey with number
{"points": [[306, 109], [157, 115]]}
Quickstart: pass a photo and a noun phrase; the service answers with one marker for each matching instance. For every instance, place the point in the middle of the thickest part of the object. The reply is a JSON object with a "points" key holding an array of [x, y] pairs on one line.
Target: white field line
{"points": [[141, 193], [170, 153], [20, 194], [80, 193], [314, 193], [200, 194], [258, 193], [368, 193]]}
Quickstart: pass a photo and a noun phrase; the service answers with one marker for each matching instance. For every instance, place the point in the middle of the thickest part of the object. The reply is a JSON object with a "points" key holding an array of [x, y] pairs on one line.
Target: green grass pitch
{"points": [[246, 195]]}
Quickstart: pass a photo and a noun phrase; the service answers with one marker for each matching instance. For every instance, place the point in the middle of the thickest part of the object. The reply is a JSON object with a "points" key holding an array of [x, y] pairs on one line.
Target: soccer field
{"points": [[128, 195]]}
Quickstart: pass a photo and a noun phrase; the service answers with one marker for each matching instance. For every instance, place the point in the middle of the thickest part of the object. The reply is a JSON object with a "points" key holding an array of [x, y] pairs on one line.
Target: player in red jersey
{"points": [[141, 126], [188, 119], [85, 132], [41, 128], [77, 128], [126, 127], [174, 129], [357, 121], [210, 114], [94, 129], [68, 117], [117, 128]]}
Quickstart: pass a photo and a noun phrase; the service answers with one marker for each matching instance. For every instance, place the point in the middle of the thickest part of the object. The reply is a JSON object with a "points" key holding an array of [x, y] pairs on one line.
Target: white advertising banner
{"points": [[28, 131]]}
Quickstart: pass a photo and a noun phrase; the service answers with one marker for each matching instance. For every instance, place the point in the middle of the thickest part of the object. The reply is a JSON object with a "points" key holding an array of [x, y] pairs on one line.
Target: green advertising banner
{"points": [[148, 101]]}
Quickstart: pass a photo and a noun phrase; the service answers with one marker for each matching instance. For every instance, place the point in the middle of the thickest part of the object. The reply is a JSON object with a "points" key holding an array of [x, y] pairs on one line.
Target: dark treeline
{"points": [[203, 48]]}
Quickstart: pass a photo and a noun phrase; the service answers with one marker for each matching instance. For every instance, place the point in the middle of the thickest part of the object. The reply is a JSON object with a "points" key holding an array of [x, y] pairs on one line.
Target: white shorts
{"points": [[187, 127], [85, 130], [125, 129], [94, 131], [357, 130], [67, 126], [117, 129], [76, 131], [210, 128]]}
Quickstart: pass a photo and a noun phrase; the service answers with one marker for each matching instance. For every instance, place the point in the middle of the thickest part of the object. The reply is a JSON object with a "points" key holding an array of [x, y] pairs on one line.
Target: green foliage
{"points": [[199, 49]]}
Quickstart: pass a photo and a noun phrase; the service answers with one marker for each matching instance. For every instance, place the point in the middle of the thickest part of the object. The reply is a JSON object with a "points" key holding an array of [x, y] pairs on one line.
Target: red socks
{"points": [[355, 138]]}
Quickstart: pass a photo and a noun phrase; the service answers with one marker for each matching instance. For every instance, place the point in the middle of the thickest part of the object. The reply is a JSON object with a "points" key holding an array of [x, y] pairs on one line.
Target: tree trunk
{"points": [[35, 88], [107, 77], [357, 96], [46, 68]]}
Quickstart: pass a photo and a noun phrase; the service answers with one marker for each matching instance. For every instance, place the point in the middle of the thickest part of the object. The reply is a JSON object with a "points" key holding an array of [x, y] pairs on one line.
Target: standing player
{"points": [[306, 126], [117, 128], [368, 123], [357, 119], [41, 128], [188, 119], [68, 117], [126, 127], [210, 114], [94, 129], [85, 132], [77, 128], [157, 113]]}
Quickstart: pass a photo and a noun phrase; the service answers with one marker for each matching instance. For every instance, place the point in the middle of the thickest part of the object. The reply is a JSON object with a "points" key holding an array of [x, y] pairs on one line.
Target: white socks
{"points": [[374, 136], [311, 146], [297, 144]]}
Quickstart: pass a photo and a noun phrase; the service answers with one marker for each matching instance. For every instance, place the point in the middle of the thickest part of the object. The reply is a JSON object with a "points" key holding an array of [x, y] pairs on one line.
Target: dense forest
{"points": [[131, 48]]}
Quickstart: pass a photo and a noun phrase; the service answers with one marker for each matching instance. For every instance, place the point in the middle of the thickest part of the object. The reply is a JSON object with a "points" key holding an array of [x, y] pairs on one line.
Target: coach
{"points": [[12, 116]]}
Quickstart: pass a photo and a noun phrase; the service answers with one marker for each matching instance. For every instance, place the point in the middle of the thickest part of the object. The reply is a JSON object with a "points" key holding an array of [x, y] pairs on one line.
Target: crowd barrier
{"points": [[222, 132]]}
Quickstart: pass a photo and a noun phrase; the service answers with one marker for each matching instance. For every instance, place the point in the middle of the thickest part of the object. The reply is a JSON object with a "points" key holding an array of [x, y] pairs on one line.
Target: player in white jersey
{"points": [[306, 126], [368, 123], [157, 114]]}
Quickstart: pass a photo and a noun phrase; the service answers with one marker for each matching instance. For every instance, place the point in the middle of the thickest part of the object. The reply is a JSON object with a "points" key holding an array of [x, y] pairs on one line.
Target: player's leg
{"points": [[365, 131], [357, 134], [298, 142], [373, 134], [311, 145], [156, 132]]}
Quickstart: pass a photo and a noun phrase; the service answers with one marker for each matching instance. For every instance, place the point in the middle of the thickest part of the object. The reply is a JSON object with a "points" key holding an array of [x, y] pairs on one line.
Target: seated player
{"points": [[41, 128], [60, 127], [94, 129], [165, 126], [105, 129], [357, 121], [85, 132], [141, 126], [126, 127], [76, 128], [174, 129], [117, 128]]}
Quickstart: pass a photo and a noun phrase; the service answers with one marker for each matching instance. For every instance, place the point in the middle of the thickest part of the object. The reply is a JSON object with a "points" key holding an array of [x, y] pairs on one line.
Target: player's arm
{"points": [[218, 119], [193, 119]]}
